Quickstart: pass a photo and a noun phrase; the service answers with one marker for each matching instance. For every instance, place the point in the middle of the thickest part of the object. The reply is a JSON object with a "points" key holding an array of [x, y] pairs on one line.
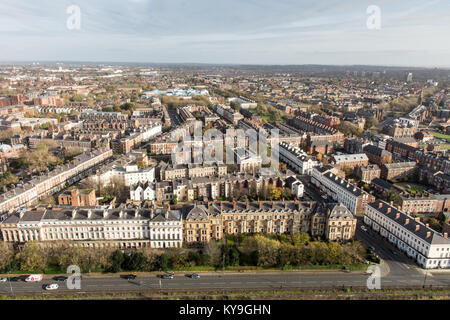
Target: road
{"points": [[397, 271], [217, 281]]}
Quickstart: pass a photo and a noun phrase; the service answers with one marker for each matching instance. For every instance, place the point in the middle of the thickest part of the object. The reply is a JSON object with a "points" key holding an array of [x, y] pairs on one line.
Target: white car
{"points": [[52, 286], [3, 279], [363, 228]]}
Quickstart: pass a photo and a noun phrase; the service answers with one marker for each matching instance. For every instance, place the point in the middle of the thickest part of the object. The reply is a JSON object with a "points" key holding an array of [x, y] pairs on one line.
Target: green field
{"points": [[440, 135]]}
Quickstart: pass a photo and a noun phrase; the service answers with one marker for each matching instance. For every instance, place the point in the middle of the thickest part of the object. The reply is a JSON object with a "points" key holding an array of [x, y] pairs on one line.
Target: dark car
{"points": [[194, 276], [15, 279], [166, 276], [129, 276], [60, 278]]}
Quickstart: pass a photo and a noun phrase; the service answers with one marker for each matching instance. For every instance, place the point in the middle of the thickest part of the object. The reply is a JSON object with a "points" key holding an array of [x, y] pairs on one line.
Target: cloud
{"points": [[234, 31]]}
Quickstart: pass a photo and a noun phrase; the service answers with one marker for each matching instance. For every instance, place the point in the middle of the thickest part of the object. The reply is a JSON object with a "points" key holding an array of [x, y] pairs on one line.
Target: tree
{"points": [[391, 196], [213, 252], [134, 261], [6, 256], [300, 238], [347, 170], [174, 199], [117, 259], [71, 153], [286, 193], [39, 159], [275, 193], [435, 224], [7, 178], [32, 257]]}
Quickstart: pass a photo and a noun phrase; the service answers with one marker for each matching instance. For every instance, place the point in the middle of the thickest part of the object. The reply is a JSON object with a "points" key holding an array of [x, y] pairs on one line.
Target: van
{"points": [[34, 278]]}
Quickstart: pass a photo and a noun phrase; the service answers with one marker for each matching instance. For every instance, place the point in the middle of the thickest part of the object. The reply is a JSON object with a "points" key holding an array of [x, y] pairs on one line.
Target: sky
{"points": [[330, 32]]}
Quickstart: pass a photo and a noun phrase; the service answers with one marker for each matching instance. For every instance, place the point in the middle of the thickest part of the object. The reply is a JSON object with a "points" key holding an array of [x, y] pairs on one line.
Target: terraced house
{"points": [[155, 227], [202, 223], [429, 248]]}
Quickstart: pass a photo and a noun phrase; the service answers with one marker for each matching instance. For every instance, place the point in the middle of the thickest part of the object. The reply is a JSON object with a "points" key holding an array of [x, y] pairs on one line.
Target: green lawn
{"points": [[440, 135]]}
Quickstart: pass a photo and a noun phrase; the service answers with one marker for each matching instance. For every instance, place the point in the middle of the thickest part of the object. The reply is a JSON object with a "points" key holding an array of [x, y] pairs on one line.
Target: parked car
{"points": [[52, 286], [166, 276], [60, 278], [15, 279], [364, 228], [34, 278], [3, 279], [129, 276], [194, 276]]}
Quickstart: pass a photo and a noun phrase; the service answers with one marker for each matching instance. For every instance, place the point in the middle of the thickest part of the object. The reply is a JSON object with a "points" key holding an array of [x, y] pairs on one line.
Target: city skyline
{"points": [[284, 33]]}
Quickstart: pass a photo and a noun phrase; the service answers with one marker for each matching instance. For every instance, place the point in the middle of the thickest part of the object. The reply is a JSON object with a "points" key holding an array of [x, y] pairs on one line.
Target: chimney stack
{"points": [[428, 234], [445, 235], [234, 205], [380, 205], [105, 213], [247, 205], [417, 227], [397, 216], [406, 221], [427, 225], [74, 212], [260, 204], [152, 213], [389, 210]]}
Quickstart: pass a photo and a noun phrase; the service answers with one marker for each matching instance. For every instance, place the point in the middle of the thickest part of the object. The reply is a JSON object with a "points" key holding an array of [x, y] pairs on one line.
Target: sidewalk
{"points": [[205, 273]]}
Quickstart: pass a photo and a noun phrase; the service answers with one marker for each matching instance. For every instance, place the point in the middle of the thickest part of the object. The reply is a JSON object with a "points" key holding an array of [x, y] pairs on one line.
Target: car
{"points": [[15, 279], [364, 228], [52, 286], [194, 276], [3, 279], [166, 276], [60, 278], [129, 276]]}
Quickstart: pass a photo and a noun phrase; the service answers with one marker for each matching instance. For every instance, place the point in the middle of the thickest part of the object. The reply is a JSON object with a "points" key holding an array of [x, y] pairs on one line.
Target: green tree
{"points": [[117, 259], [6, 256], [134, 261], [32, 257], [300, 238]]}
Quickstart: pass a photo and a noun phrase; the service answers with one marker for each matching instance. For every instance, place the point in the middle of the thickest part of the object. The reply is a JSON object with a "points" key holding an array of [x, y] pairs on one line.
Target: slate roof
{"points": [[422, 232]]}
